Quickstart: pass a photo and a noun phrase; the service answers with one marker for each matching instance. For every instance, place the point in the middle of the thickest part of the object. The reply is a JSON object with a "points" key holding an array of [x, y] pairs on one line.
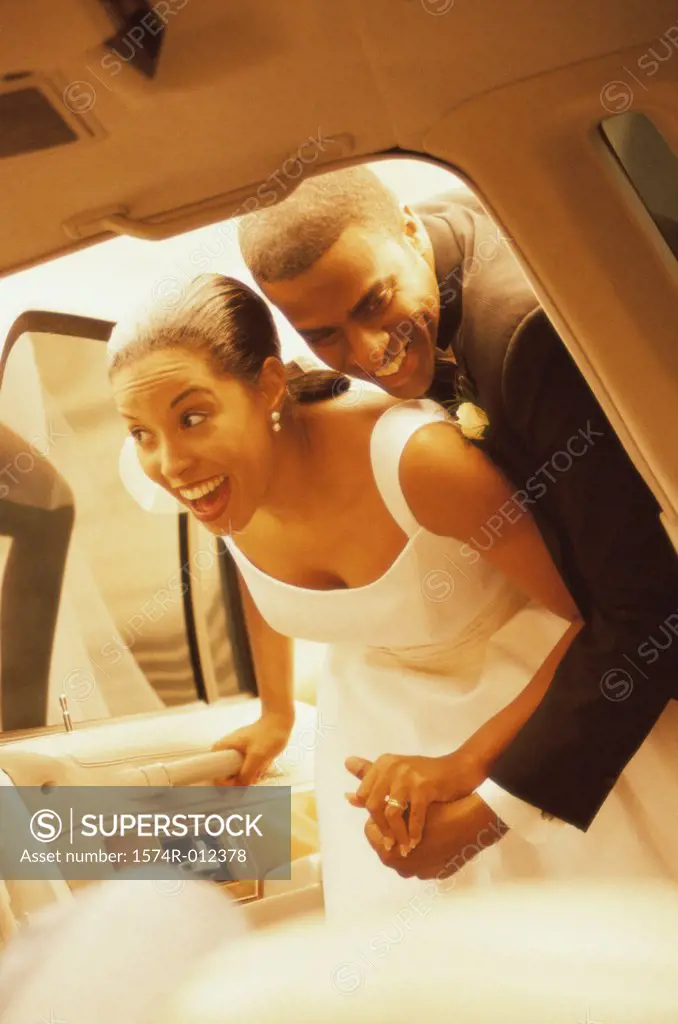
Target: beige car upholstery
{"points": [[163, 749], [96, 755]]}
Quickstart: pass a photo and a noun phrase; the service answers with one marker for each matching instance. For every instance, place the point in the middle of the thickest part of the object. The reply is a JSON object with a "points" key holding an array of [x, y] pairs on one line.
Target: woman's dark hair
{"points": [[229, 323]]}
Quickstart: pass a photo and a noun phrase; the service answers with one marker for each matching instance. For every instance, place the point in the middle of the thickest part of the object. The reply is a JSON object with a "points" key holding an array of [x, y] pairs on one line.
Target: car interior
{"points": [[155, 125]]}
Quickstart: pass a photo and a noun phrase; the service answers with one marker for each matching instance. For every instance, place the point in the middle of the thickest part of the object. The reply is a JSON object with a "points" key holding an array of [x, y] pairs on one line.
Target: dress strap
{"points": [[390, 435]]}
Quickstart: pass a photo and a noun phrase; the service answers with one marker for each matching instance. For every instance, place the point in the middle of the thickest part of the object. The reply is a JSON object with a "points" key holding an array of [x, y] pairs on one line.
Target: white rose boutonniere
{"points": [[472, 421]]}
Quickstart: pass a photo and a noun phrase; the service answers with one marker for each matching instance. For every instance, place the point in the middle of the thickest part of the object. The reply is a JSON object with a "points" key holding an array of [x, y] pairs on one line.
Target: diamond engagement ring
{"points": [[392, 802]]}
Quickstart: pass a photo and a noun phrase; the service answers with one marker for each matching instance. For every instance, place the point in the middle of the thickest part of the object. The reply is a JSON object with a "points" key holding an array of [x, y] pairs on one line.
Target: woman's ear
{"points": [[273, 382]]}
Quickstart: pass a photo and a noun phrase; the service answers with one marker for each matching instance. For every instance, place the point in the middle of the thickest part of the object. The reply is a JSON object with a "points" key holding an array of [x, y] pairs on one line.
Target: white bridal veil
{"points": [[96, 687]]}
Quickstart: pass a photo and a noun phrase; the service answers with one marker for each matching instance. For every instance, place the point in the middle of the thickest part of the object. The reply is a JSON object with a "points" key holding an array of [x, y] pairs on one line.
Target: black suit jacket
{"points": [[551, 438]]}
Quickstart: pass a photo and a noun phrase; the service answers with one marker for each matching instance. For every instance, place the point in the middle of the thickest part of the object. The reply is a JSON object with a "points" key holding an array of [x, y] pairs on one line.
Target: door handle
{"points": [[188, 771]]}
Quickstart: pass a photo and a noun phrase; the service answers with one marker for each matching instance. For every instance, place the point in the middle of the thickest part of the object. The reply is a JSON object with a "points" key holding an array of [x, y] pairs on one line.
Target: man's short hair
{"points": [[281, 241]]}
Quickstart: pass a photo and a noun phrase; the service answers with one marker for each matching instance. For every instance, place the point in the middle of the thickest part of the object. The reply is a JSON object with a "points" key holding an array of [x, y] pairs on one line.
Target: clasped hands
{"points": [[432, 814]]}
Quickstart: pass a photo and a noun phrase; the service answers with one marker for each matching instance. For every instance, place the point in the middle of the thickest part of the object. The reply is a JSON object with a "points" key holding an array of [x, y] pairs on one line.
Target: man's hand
{"points": [[455, 833], [398, 790]]}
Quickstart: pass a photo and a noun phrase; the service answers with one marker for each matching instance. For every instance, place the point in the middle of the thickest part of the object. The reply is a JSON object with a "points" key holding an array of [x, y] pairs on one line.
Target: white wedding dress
{"points": [[418, 661]]}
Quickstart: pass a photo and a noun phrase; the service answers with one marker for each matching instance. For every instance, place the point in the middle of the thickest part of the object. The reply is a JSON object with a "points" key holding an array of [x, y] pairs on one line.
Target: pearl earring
{"points": [[275, 420]]}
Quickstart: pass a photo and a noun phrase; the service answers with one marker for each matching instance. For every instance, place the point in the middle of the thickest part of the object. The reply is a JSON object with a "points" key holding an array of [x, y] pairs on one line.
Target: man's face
{"points": [[369, 307]]}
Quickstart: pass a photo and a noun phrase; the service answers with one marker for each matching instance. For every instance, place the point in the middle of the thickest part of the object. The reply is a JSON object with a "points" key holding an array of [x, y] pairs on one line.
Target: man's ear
{"points": [[413, 228]]}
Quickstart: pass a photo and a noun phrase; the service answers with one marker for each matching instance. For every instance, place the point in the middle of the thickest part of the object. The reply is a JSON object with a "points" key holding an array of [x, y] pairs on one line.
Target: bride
{"points": [[370, 525]]}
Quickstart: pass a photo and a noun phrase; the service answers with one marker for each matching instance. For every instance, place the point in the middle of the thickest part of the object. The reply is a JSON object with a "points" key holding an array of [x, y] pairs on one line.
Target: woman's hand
{"points": [[413, 783], [259, 744]]}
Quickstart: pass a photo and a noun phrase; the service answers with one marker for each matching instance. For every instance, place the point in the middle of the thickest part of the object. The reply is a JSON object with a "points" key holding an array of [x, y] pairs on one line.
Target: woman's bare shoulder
{"points": [[344, 426], [356, 411]]}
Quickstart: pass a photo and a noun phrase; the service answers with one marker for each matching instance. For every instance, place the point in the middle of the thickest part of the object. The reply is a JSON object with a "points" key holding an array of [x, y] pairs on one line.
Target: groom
{"points": [[429, 301]]}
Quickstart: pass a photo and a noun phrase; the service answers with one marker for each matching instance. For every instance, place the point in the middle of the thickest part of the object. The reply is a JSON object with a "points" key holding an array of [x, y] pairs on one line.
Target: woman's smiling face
{"points": [[205, 437]]}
